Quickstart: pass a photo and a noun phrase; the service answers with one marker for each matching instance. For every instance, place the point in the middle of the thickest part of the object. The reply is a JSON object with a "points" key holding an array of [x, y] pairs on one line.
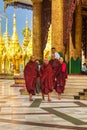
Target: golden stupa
{"points": [[7, 41], [15, 50], [25, 44], [26, 35]]}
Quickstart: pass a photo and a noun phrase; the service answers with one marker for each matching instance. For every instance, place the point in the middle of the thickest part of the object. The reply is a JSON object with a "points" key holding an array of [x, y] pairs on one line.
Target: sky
{"points": [[21, 15]]}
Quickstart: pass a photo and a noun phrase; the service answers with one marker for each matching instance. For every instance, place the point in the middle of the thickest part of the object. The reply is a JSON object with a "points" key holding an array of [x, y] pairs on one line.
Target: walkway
{"points": [[17, 113]]}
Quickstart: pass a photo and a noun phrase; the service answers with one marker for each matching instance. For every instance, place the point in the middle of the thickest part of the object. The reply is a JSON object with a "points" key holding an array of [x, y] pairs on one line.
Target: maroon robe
{"points": [[61, 79], [46, 78], [56, 68], [30, 75]]}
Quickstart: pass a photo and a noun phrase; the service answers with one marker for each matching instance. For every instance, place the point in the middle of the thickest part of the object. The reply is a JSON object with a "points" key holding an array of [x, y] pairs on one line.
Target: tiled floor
{"points": [[18, 113]]}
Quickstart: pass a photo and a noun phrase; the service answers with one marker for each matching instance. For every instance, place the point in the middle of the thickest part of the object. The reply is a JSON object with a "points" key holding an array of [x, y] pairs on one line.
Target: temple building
{"points": [[68, 20], [56, 23]]}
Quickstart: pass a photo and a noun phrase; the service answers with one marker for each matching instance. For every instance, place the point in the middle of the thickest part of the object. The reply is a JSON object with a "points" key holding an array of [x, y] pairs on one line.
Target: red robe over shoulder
{"points": [[30, 75], [61, 79], [46, 78]]}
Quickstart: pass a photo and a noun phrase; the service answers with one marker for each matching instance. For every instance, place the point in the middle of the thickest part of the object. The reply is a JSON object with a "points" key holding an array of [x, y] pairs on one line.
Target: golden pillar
{"points": [[78, 30], [37, 47], [57, 25]]}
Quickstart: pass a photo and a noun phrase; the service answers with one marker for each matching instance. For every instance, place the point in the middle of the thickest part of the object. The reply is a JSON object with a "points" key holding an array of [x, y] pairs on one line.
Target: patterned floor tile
{"points": [[18, 113]]}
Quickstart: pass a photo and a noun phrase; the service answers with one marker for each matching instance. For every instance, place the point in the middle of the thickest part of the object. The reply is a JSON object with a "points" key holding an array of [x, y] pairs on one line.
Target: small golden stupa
{"points": [[7, 44], [15, 50], [25, 44]]}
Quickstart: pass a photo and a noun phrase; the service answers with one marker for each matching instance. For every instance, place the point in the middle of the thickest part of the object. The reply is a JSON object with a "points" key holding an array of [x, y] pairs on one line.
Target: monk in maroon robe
{"points": [[46, 79], [30, 75], [55, 66], [61, 78]]}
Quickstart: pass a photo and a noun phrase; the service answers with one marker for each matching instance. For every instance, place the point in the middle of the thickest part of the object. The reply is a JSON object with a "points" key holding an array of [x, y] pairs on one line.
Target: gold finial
{"points": [[14, 22], [6, 25], [14, 15], [26, 22], [6, 36]]}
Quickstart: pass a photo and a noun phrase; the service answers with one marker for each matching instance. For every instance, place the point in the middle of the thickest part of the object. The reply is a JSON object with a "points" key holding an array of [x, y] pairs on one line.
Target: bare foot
{"points": [[49, 100], [59, 96], [43, 99], [31, 99]]}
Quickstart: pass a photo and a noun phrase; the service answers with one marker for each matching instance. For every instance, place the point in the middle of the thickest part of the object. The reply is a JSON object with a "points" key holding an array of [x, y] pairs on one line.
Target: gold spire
{"points": [[15, 48], [6, 25], [14, 35], [26, 23], [14, 23], [6, 36], [26, 35]]}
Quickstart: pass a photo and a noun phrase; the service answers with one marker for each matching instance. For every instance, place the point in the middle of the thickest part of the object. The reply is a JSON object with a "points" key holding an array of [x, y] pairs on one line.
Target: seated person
{"points": [[84, 69]]}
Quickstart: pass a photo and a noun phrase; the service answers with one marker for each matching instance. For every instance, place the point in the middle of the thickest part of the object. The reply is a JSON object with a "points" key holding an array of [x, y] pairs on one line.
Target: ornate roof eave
{"points": [[26, 4]]}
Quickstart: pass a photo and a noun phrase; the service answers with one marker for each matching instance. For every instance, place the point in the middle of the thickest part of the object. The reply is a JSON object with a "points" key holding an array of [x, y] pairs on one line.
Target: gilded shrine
{"points": [[67, 19]]}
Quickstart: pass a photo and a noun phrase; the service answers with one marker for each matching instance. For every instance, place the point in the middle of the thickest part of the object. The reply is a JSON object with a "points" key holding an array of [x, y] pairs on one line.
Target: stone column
{"points": [[57, 25], [37, 47], [78, 30]]}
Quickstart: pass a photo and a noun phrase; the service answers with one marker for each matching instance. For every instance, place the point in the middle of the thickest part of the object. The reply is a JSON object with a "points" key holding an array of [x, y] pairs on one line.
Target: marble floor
{"points": [[18, 113]]}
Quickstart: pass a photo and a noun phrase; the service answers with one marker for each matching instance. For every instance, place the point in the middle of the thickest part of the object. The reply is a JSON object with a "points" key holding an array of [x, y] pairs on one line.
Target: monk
{"points": [[56, 66], [61, 78], [46, 79], [30, 75]]}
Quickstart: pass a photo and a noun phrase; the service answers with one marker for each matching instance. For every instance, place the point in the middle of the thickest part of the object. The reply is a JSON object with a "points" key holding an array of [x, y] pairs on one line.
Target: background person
{"points": [[53, 51], [84, 69]]}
